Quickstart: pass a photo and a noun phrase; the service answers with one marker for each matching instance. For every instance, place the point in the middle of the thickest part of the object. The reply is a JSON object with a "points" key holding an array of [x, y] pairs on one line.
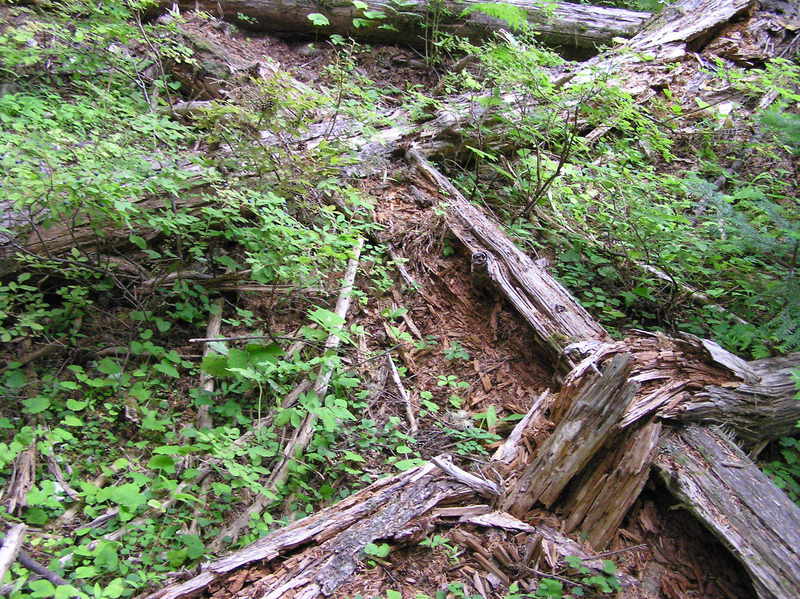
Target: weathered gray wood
{"points": [[608, 487], [372, 513], [757, 522], [569, 25], [757, 411], [556, 318], [599, 401]]}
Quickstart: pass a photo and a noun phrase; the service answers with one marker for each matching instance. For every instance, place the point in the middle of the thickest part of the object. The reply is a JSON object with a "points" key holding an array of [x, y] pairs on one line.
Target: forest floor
{"points": [[469, 354], [493, 356]]}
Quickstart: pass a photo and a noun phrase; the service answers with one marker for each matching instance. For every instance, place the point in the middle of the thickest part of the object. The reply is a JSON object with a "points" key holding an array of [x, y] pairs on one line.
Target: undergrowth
{"points": [[144, 225]]}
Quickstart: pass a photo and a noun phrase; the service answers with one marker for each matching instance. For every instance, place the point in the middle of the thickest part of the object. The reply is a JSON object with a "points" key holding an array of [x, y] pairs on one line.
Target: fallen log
{"points": [[737, 502], [556, 318], [413, 22], [757, 411], [609, 486]]}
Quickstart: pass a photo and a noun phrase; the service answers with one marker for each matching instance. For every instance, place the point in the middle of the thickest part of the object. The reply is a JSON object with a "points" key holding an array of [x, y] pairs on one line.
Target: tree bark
{"points": [[569, 25], [756, 521]]}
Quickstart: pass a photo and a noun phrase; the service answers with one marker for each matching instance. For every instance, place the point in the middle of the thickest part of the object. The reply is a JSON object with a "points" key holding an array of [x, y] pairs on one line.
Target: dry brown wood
{"points": [[509, 450], [11, 545], [569, 25], [23, 477], [756, 521], [336, 536], [599, 401], [409, 407]]}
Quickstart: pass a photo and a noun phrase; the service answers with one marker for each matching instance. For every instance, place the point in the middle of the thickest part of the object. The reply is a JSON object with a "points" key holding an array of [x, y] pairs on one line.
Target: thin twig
{"points": [[412, 420]]}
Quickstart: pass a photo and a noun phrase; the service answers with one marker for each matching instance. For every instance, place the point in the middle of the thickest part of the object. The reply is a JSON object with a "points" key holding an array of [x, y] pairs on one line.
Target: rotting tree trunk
{"points": [[323, 550], [609, 486], [598, 404], [757, 522], [556, 318], [758, 411], [569, 25]]}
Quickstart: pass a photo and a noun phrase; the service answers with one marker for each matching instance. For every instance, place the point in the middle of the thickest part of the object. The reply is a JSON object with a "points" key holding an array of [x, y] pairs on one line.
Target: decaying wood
{"points": [[609, 486], [757, 522], [556, 318], [23, 477], [12, 550], [409, 407], [762, 410], [305, 432], [598, 404], [481, 486], [509, 450], [336, 534], [203, 419], [569, 25]]}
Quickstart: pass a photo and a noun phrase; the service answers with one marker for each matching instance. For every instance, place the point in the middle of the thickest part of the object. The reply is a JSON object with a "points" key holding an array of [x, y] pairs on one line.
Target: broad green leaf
{"points": [[109, 366], [318, 19], [215, 365], [162, 462], [264, 353], [75, 405], [36, 405], [167, 368], [42, 588]]}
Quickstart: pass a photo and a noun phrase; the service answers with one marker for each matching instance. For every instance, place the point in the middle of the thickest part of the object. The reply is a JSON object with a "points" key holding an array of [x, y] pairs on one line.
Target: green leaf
{"points": [[109, 367], [609, 567], [127, 495], [215, 365], [194, 546], [318, 19], [138, 241], [491, 417], [326, 319], [167, 368], [16, 379], [85, 572], [162, 462], [514, 16], [42, 588], [404, 465], [264, 353], [360, 5], [374, 14], [71, 420], [65, 591], [75, 405], [36, 405]]}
